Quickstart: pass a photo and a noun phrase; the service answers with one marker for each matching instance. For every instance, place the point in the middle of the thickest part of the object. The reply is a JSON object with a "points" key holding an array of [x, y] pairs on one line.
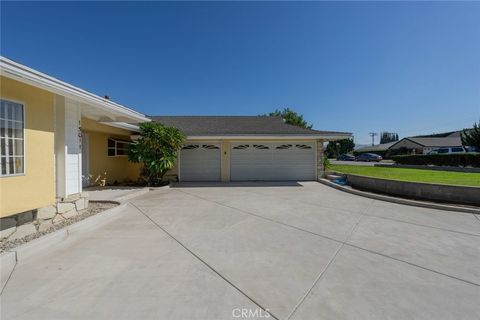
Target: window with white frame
{"points": [[12, 140], [118, 148]]}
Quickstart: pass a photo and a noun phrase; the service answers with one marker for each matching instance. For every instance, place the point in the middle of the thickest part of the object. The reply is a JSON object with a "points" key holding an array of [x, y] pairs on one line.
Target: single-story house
{"points": [[423, 145], [380, 149], [248, 148], [55, 138]]}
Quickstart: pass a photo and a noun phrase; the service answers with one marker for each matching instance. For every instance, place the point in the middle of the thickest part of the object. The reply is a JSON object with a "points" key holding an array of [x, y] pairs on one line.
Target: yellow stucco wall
{"points": [[102, 168], [36, 188]]}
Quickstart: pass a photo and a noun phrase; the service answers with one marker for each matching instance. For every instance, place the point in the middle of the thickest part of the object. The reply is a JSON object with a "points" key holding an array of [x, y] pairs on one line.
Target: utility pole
{"points": [[373, 134]]}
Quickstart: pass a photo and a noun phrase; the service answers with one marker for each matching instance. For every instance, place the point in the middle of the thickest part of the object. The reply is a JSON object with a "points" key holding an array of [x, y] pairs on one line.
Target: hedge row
{"points": [[455, 160]]}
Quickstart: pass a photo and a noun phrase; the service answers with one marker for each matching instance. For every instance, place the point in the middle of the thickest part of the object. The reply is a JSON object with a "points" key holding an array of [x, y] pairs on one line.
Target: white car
{"points": [[448, 150]]}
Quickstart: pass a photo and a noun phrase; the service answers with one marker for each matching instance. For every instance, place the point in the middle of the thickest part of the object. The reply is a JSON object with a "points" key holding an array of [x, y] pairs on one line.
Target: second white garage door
{"points": [[272, 161], [200, 162]]}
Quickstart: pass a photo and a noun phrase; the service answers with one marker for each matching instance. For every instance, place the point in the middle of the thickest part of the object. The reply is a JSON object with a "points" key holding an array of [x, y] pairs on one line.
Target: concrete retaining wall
{"points": [[417, 190]]}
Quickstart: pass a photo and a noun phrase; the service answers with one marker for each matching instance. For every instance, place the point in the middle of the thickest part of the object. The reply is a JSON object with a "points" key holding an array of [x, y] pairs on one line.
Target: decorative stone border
{"points": [[9, 259], [42, 219]]}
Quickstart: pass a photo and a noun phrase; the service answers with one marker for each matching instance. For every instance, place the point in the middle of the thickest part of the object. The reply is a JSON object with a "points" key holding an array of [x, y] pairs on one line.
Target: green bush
{"points": [[156, 149], [454, 160]]}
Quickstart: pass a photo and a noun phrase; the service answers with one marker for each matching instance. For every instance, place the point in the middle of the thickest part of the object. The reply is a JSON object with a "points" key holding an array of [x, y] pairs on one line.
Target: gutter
{"points": [[326, 137]]}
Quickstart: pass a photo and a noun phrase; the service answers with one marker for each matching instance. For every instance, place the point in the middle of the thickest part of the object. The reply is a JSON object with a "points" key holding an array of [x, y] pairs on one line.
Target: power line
{"points": [[373, 134]]}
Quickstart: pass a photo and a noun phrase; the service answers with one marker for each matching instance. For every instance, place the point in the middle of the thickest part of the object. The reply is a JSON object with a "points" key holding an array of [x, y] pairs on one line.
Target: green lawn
{"points": [[415, 175]]}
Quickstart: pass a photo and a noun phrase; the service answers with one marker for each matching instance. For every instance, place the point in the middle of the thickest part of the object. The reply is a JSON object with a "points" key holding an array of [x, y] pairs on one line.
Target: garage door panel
{"points": [[200, 162], [272, 161]]}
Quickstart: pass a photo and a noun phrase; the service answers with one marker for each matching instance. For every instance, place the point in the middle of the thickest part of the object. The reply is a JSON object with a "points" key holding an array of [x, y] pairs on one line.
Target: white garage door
{"points": [[272, 161], [200, 162]]}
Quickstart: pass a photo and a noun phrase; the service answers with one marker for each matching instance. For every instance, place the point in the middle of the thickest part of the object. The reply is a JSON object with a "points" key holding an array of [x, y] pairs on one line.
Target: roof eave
{"points": [[326, 137], [19, 72]]}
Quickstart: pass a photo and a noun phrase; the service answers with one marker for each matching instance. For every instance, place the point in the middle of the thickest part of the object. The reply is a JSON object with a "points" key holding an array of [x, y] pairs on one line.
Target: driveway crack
{"points": [[323, 272], [204, 262]]}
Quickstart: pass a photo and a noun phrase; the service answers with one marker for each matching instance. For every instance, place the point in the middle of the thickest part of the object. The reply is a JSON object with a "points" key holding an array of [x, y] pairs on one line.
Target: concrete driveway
{"points": [[302, 251]]}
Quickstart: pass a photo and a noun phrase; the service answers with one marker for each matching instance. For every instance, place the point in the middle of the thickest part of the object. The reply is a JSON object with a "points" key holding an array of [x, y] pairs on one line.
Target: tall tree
{"points": [[386, 137], [291, 117], [336, 148], [156, 150], [471, 137]]}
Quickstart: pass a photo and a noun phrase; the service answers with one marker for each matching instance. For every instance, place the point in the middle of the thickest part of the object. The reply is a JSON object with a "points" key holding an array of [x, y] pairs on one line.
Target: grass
{"points": [[413, 175]]}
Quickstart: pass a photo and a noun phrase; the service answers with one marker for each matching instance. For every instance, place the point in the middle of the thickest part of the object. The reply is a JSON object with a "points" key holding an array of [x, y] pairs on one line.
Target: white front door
{"points": [[200, 162], [283, 161], [73, 152]]}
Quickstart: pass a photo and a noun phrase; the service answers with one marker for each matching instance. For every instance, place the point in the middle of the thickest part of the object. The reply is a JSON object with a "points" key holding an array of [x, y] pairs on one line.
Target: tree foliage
{"points": [[336, 148], [291, 117], [471, 137], [156, 150], [386, 137]]}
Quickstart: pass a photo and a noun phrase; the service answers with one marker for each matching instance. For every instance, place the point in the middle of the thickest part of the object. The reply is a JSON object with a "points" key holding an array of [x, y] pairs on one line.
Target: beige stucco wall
{"points": [[36, 188], [102, 168]]}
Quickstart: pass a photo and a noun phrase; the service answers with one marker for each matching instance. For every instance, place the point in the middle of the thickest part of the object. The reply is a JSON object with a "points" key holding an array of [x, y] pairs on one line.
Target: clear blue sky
{"points": [[411, 68]]}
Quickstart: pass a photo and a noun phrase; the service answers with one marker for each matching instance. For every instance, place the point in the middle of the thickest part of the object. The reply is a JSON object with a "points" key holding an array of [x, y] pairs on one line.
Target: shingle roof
{"points": [[438, 142], [377, 147], [236, 125]]}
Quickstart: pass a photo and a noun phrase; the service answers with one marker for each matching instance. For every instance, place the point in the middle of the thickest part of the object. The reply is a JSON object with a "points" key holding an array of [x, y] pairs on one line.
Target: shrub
{"points": [[454, 160], [156, 149]]}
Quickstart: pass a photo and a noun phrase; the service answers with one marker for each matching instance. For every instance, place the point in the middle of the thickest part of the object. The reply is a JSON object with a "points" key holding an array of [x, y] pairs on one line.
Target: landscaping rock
{"points": [[70, 214], [46, 213], [63, 207], [80, 204], [22, 231], [7, 232], [45, 225], [58, 219]]}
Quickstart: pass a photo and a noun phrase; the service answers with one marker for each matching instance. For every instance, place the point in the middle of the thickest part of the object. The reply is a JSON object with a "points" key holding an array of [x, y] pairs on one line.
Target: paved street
{"points": [[302, 251]]}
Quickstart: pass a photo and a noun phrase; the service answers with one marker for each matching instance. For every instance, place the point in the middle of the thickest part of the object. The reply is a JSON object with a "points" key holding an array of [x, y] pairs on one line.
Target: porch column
{"points": [[320, 168], [68, 166]]}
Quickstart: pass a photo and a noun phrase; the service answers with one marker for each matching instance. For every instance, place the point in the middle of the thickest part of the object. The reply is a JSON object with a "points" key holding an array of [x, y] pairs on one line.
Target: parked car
{"points": [[448, 150], [346, 157], [368, 157]]}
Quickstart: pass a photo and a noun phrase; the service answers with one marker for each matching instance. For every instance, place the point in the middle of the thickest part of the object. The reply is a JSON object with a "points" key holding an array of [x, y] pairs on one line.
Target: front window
{"points": [[117, 148], [12, 140]]}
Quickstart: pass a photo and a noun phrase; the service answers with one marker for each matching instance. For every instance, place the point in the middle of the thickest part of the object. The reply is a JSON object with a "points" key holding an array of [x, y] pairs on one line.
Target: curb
{"points": [[11, 257], [407, 202]]}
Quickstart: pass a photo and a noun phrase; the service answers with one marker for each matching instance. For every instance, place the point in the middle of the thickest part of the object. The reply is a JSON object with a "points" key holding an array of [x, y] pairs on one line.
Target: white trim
{"points": [[28, 75], [123, 125], [116, 148], [271, 137], [24, 173]]}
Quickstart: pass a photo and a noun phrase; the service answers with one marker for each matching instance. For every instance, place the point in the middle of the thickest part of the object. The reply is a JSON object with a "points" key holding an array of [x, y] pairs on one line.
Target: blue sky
{"points": [[412, 68]]}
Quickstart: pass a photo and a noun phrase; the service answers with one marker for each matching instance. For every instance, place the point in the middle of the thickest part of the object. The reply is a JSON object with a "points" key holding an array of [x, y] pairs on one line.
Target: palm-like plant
{"points": [[156, 150]]}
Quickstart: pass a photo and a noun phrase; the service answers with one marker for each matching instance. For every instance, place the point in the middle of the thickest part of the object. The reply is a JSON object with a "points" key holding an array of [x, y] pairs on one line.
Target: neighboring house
{"points": [[378, 148], [248, 148], [423, 145], [55, 138]]}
